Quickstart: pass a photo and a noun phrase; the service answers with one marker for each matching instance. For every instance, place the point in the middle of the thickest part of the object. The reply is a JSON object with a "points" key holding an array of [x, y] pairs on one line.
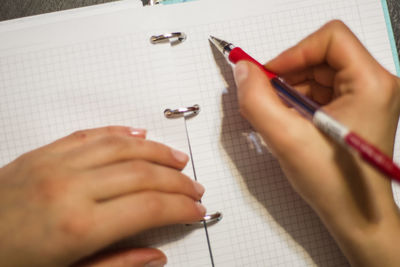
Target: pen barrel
{"points": [[302, 104], [369, 153], [293, 98], [331, 127], [237, 54], [323, 121], [373, 155]]}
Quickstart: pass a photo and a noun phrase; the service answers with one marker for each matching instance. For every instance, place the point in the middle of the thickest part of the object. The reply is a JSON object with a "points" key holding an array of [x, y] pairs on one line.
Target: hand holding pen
{"points": [[353, 198]]}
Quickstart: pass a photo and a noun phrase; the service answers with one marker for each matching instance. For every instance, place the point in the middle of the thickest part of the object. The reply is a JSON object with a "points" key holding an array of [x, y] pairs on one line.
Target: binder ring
{"points": [[180, 112], [173, 37], [211, 218], [208, 219], [154, 2]]}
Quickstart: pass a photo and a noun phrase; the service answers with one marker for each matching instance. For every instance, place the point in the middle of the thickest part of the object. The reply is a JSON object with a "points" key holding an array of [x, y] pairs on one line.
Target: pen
{"points": [[312, 111]]}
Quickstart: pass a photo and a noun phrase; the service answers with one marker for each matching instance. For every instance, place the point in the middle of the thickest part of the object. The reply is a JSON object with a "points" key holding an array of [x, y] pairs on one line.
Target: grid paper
{"points": [[265, 222], [49, 94]]}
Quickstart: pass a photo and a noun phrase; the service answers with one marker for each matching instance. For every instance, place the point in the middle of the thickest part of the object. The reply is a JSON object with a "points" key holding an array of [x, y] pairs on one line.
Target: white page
{"points": [[265, 222], [50, 90]]}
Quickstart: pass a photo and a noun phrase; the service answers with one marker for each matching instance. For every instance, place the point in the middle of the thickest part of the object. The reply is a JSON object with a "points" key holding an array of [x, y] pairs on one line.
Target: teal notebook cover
{"points": [[391, 36], [168, 2]]}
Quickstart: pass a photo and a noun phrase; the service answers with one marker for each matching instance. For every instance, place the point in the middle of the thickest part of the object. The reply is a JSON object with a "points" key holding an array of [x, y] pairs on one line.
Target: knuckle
{"points": [[186, 202], [50, 189], [48, 181], [80, 135], [185, 184], [182, 180], [141, 142], [189, 208], [336, 24], [337, 29], [76, 224]]}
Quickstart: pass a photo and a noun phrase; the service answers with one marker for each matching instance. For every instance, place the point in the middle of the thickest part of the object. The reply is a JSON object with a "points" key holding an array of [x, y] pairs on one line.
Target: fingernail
{"points": [[199, 188], [138, 132], [201, 208], [241, 72], [180, 156], [156, 263]]}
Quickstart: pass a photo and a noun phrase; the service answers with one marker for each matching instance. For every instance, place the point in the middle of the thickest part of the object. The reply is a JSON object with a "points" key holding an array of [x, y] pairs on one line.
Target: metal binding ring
{"points": [[154, 2], [211, 218], [173, 37], [177, 113]]}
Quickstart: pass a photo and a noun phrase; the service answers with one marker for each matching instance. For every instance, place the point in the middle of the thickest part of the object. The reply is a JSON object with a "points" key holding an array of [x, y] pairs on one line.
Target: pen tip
{"points": [[215, 39]]}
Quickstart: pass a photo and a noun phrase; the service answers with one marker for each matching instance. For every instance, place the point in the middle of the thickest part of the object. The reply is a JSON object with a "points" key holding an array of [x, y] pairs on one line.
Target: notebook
{"points": [[62, 73]]}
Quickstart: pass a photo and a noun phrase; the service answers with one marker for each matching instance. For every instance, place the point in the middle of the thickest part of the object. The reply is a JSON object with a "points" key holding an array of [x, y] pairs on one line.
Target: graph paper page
{"points": [[50, 90], [265, 222], [59, 77]]}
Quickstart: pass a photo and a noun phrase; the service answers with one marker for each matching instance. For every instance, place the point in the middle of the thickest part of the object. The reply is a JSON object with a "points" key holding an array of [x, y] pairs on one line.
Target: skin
{"points": [[353, 200], [57, 201]]}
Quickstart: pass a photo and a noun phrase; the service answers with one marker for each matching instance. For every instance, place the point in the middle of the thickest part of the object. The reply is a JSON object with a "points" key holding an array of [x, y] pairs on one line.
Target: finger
{"points": [[318, 93], [142, 257], [297, 77], [82, 137], [265, 111], [304, 88], [321, 94], [135, 213], [333, 44], [135, 176], [324, 75], [112, 149]]}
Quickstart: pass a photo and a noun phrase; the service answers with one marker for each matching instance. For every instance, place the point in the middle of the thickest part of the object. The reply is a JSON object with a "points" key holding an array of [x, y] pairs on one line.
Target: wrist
{"points": [[367, 243]]}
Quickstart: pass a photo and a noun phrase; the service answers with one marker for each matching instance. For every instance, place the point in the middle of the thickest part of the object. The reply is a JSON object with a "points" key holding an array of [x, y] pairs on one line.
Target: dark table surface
{"points": [[10, 9]]}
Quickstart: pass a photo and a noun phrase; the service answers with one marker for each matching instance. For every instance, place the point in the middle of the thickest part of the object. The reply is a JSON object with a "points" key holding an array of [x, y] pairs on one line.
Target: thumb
{"points": [[260, 104], [143, 257]]}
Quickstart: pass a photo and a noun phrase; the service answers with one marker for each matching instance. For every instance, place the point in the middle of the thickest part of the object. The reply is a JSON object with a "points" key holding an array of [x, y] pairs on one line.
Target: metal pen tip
{"points": [[221, 45], [213, 38], [215, 41]]}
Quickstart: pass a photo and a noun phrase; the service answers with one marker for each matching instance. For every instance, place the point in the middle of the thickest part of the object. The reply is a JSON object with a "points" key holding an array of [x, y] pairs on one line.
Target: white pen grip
{"points": [[330, 126]]}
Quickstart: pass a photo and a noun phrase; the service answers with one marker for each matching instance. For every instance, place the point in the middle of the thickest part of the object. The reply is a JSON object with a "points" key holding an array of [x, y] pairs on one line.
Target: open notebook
{"points": [[60, 75]]}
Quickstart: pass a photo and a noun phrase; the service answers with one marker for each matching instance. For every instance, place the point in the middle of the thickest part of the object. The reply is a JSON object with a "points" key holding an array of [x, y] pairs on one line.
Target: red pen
{"points": [[311, 110]]}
